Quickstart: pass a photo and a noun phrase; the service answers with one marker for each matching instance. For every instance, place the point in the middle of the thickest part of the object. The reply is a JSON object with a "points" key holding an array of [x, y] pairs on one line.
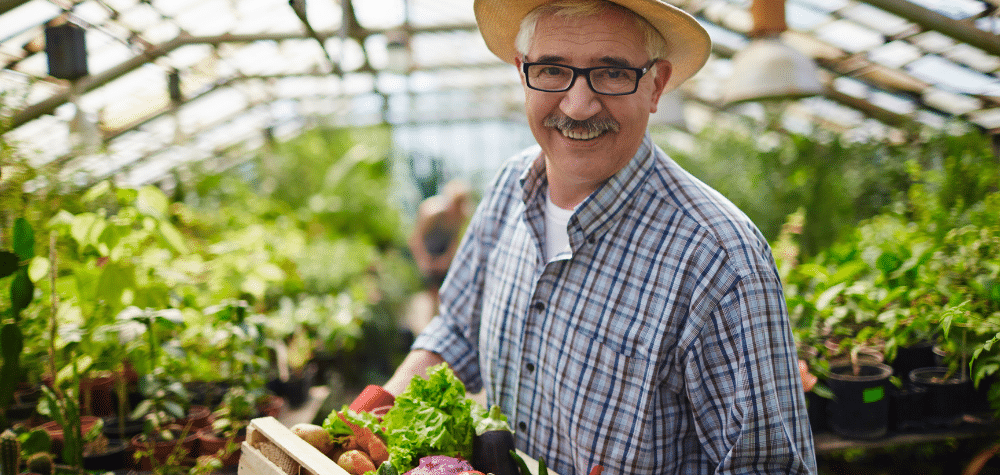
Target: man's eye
{"points": [[552, 71]]}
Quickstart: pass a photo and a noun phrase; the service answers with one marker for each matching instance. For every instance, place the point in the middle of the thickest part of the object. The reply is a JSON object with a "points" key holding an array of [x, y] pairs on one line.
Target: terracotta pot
{"points": [[55, 432], [161, 449], [97, 395], [271, 406], [210, 444], [200, 418]]}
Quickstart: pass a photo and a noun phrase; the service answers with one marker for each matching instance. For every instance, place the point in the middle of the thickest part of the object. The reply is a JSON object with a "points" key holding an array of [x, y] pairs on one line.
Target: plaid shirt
{"points": [[660, 344]]}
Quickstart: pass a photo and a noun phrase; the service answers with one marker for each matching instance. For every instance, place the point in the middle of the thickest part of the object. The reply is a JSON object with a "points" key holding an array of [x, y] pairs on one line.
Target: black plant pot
{"points": [[111, 459], [860, 408], [947, 395], [911, 357], [906, 409], [113, 431], [816, 407]]}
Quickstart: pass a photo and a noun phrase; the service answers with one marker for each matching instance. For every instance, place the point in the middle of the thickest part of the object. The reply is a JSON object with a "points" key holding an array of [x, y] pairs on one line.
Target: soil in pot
{"points": [[860, 408], [947, 395]]}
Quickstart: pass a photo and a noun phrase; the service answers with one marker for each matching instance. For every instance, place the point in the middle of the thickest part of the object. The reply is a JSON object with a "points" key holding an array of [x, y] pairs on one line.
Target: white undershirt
{"points": [[556, 236]]}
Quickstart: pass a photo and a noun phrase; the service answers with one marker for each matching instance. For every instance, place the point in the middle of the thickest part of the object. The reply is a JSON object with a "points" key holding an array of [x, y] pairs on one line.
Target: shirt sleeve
{"points": [[747, 377]]}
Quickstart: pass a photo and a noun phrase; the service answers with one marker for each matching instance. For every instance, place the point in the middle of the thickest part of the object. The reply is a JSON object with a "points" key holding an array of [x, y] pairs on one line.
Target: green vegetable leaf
{"points": [[431, 417], [496, 420]]}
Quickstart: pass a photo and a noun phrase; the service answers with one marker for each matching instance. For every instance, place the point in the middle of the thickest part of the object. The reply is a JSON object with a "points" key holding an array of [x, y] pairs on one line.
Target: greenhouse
{"points": [[214, 250]]}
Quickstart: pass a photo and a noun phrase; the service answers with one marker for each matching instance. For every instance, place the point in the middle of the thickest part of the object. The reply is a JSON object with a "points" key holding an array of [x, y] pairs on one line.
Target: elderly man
{"points": [[617, 309]]}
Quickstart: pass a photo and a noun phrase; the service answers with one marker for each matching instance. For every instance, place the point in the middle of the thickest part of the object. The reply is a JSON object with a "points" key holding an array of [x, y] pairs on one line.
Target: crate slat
{"points": [[308, 457]]}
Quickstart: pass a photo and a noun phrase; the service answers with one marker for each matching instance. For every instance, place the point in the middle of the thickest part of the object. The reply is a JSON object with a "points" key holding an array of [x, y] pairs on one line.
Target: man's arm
{"points": [[415, 364]]}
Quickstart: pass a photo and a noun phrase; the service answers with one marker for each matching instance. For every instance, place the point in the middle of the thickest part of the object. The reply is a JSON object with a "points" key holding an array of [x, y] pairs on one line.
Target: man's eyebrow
{"points": [[615, 61], [550, 59]]}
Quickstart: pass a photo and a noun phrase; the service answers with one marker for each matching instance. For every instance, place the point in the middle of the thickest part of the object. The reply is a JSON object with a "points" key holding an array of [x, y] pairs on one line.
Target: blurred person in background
{"points": [[619, 311], [440, 222]]}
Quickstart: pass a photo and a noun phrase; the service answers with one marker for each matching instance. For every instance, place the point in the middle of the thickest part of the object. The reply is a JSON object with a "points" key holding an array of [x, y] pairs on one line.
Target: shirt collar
{"points": [[598, 211]]}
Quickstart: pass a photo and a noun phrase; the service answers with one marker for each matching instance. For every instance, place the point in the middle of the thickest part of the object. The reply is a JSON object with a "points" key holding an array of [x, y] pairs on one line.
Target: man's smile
{"points": [[588, 129]]}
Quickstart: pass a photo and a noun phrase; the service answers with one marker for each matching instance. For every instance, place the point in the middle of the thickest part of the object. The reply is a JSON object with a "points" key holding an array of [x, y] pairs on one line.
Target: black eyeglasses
{"points": [[607, 80]]}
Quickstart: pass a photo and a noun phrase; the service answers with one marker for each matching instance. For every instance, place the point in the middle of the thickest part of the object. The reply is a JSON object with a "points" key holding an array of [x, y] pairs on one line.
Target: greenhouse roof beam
{"points": [[47, 106], [962, 31], [8, 5]]}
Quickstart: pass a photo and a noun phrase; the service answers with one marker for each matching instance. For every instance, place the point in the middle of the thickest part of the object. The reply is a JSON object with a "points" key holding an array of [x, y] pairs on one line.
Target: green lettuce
{"points": [[431, 417]]}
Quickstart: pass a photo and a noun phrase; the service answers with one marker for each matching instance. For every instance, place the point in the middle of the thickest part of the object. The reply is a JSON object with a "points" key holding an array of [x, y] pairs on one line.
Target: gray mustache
{"points": [[594, 124]]}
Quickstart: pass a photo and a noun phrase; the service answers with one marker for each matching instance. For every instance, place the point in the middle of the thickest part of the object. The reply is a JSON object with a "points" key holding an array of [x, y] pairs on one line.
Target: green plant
{"points": [[40, 463], [10, 453], [15, 263]]}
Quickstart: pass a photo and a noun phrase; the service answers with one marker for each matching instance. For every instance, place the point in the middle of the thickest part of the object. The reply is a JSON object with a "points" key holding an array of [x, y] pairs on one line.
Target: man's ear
{"points": [[663, 71]]}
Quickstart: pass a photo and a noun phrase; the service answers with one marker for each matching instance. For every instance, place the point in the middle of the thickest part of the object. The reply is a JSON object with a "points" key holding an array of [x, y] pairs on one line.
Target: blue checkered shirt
{"points": [[660, 344]]}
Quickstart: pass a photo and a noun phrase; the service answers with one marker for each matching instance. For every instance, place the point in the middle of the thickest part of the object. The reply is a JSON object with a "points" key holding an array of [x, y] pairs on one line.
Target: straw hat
{"points": [[688, 44]]}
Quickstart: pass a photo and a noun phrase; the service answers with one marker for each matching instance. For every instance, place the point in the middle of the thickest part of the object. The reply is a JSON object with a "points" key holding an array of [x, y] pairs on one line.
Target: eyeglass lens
{"points": [[550, 77]]}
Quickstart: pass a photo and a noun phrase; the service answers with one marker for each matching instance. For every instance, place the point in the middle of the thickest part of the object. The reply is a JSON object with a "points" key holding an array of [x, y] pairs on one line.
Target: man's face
{"points": [[575, 158]]}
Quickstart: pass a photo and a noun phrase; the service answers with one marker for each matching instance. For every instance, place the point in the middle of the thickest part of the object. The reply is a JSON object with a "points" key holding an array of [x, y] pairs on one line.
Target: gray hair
{"points": [[655, 44]]}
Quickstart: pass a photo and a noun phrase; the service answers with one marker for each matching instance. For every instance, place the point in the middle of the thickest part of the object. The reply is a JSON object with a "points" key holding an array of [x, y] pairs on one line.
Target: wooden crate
{"points": [[297, 454], [305, 459]]}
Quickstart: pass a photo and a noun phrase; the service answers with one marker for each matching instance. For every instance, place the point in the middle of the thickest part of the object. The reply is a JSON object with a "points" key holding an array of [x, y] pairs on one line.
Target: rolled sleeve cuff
{"points": [[460, 354]]}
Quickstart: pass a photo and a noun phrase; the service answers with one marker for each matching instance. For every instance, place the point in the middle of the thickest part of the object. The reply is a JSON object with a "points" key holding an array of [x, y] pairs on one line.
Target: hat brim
{"points": [[688, 44]]}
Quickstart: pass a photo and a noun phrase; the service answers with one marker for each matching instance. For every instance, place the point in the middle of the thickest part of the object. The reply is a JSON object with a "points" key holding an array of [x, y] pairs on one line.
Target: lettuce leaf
{"points": [[339, 431], [431, 417]]}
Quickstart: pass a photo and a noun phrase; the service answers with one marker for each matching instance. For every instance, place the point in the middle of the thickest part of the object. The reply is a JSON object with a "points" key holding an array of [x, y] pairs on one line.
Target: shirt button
{"points": [[539, 306], [522, 425], [530, 367]]}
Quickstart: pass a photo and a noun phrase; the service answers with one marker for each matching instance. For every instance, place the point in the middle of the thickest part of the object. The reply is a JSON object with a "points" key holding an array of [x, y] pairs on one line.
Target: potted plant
{"points": [[14, 263], [228, 429]]}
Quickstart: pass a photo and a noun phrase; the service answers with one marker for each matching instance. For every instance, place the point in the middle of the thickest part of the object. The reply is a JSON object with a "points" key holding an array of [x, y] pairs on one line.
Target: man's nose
{"points": [[580, 102]]}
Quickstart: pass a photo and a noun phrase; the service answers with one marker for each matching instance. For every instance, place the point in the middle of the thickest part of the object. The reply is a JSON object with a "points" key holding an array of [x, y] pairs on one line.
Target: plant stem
{"points": [[54, 302]]}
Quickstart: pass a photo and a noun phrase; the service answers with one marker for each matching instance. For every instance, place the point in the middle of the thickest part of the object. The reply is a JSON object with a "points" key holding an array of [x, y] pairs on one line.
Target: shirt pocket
{"points": [[604, 400]]}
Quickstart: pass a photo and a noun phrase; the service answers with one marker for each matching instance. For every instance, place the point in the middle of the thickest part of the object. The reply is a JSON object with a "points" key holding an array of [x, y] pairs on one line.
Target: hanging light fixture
{"points": [[769, 69], [66, 49]]}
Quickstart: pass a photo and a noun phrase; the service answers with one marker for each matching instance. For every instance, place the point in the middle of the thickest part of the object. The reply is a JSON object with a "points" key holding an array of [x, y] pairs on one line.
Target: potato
{"points": [[315, 435], [355, 462]]}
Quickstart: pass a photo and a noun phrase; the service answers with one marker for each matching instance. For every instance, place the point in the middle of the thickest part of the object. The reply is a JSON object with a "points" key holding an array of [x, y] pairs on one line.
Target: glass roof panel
{"points": [[895, 54], [947, 74], [876, 19], [954, 9], [849, 36]]}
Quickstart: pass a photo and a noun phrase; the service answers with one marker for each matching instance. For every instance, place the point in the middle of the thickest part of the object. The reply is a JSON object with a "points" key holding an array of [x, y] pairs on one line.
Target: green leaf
{"points": [[12, 341], [173, 237], [96, 191], [87, 228], [24, 239], [38, 268], [152, 202], [9, 263], [36, 441], [113, 281], [22, 291]]}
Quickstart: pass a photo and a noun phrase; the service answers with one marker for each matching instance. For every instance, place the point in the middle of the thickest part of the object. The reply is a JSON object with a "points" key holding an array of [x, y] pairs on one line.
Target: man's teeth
{"points": [[580, 135]]}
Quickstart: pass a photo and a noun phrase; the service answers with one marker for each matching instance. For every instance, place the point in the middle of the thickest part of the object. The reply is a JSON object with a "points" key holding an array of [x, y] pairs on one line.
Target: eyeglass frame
{"points": [[585, 72]]}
